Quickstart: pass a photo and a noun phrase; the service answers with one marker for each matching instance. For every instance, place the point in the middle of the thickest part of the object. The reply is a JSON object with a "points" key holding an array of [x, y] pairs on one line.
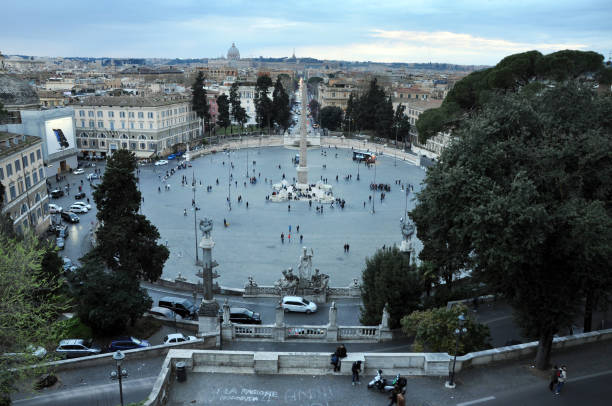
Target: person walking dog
{"points": [[562, 379]]}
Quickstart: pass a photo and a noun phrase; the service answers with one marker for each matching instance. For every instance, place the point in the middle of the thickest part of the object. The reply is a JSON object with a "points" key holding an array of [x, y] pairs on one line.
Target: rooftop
{"points": [[23, 141], [131, 101], [16, 92]]}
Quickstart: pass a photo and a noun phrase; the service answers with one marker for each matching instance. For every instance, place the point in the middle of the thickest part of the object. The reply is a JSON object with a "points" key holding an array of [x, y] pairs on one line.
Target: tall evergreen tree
{"points": [[126, 240], [263, 103], [401, 123], [280, 105], [521, 197], [384, 118], [223, 106], [199, 102]]}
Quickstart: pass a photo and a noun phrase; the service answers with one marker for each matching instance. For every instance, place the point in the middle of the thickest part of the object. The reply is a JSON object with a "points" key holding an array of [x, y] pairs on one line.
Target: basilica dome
{"points": [[233, 54]]}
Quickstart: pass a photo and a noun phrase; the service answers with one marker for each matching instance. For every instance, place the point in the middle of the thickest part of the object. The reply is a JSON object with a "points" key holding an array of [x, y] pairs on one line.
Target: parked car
{"points": [[182, 306], [71, 217], [59, 241], [127, 343], [161, 162], [76, 348], [57, 193], [92, 176], [77, 208], [164, 312], [177, 338], [298, 304], [54, 208], [62, 232], [242, 315], [80, 203], [80, 195], [68, 266], [79, 171]]}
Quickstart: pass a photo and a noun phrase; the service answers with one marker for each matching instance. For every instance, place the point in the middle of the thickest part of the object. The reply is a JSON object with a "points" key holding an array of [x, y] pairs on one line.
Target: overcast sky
{"points": [[454, 31]]}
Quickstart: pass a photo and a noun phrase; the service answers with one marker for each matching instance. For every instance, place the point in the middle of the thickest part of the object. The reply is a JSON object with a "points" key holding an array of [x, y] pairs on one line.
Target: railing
{"points": [[366, 332], [252, 331], [306, 332]]}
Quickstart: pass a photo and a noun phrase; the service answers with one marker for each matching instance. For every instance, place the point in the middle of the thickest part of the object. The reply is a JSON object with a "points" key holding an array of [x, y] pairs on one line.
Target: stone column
{"points": [[332, 326], [279, 325], [302, 170]]}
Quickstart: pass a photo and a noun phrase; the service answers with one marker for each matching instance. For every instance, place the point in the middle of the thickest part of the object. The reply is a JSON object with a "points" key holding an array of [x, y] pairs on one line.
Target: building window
{"points": [[81, 113], [28, 182], [102, 143], [38, 213], [84, 142], [9, 169], [25, 161], [38, 155], [142, 145], [111, 114], [150, 125], [17, 166], [100, 124], [122, 114], [131, 126], [140, 114], [35, 178], [41, 173], [46, 208], [90, 114], [24, 208], [13, 191], [131, 114], [82, 123], [112, 125], [150, 114], [1, 173], [91, 124], [132, 145], [141, 125], [124, 145]]}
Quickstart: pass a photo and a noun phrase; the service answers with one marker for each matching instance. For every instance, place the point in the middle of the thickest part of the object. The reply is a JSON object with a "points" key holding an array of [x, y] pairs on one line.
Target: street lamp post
{"points": [[118, 357], [195, 216], [458, 332]]}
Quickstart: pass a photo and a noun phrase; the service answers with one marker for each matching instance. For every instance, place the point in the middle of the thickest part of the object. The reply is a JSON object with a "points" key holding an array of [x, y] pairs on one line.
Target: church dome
{"points": [[16, 92], [233, 54]]}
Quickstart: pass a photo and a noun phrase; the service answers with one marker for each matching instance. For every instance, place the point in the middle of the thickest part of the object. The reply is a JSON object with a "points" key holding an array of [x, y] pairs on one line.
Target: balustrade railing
{"points": [[252, 331]]}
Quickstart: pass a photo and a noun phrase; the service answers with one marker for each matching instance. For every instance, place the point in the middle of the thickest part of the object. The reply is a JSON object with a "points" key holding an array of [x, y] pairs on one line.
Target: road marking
{"points": [[473, 402], [495, 319], [595, 375]]}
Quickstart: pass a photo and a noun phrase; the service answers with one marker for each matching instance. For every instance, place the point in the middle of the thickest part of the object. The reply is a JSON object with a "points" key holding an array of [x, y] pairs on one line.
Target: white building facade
{"points": [[147, 126]]}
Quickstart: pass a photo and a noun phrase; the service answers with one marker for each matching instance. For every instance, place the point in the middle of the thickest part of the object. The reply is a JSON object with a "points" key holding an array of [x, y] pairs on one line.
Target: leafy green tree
{"points": [[199, 102], [29, 308], [107, 301], [521, 197], [389, 278], [511, 74], [263, 103], [126, 240], [314, 109], [331, 117], [401, 123], [280, 105], [434, 331], [239, 114], [223, 105]]}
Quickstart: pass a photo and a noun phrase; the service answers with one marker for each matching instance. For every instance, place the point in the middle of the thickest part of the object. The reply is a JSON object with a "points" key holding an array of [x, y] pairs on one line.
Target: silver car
{"points": [[73, 348]]}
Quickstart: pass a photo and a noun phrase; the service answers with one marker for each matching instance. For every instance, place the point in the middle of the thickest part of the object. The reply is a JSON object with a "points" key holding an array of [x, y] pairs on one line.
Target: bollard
{"points": [[181, 371]]}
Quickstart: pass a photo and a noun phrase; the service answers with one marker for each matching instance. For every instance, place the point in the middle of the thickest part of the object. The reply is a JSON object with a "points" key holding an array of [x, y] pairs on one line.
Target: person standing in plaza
{"points": [[355, 369], [554, 378], [562, 379]]}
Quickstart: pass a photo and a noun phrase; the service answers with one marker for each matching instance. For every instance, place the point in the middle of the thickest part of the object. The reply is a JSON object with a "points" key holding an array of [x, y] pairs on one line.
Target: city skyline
{"points": [[462, 32]]}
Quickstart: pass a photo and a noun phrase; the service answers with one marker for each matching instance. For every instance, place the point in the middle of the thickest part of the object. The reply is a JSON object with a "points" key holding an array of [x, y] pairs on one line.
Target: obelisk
{"points": [[302, 170]]}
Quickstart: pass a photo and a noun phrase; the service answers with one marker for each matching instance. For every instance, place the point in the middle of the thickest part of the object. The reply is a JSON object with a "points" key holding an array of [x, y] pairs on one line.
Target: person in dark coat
{"points": [[554, 377], [355, 369]]}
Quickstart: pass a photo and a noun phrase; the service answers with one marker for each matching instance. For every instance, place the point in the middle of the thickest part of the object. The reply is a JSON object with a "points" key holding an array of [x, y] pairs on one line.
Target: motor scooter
{"points": [[378, 382], [384, 385]]}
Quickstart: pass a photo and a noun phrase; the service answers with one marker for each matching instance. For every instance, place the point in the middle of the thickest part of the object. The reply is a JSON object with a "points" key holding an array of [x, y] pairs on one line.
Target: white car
{"points": [[54, 208], [177, 338], [79, 171], [92, 176], [298, 304], [161, 162], [83, 204], [77, 208]]}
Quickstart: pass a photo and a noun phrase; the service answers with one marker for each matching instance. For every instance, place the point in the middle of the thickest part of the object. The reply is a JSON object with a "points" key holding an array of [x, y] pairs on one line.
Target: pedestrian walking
{"points": [[554, 377], [355, 369], [301, 238], [396, 391], [561, 379], [335, 361]]}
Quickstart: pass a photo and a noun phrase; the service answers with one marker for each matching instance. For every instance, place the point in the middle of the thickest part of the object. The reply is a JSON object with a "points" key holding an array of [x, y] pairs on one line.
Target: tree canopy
{"points": [[281, 107], [223, 107], [238, 112], [199, 101], [522, 197], [263, 103], [509, 75], [126, 240], [330, 117], [389, 278]]}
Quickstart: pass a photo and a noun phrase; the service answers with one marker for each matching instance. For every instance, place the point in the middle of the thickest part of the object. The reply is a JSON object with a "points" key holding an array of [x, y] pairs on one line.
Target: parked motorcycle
{"points": [[384, 385], [378, 382]]}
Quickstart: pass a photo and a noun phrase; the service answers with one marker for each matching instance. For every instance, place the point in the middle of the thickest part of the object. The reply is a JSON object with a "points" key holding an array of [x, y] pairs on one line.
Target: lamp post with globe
{"points": [[118, 357], [458, 332]]}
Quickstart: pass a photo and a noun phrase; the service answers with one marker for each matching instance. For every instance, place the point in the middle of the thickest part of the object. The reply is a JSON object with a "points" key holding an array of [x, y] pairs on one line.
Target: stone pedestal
{"points": [[279, 324], [384, 330], [209, 308], [207, 325]]}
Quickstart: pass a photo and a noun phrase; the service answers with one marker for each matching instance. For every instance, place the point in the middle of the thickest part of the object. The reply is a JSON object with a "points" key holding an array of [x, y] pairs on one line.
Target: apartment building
{"points": [[23, 175], [148, 126], [335, 92]]}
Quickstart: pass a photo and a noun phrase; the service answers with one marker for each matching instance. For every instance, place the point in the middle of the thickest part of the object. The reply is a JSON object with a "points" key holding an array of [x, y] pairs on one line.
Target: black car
{"points": [[127, 343], [79, 196], [240, 315], [71, 217], [181, 306], [57, 193]]}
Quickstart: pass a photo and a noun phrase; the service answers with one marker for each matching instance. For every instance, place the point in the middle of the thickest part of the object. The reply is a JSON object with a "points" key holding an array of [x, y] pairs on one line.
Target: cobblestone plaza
{"points": [[251, 243]]}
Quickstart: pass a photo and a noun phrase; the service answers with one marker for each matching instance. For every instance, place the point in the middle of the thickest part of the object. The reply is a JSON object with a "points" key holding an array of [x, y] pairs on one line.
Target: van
{"points": [[181, 306]]}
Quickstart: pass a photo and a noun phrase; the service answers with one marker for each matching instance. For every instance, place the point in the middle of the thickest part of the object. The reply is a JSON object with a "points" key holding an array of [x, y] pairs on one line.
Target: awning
{"points": [[144, 154]]}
